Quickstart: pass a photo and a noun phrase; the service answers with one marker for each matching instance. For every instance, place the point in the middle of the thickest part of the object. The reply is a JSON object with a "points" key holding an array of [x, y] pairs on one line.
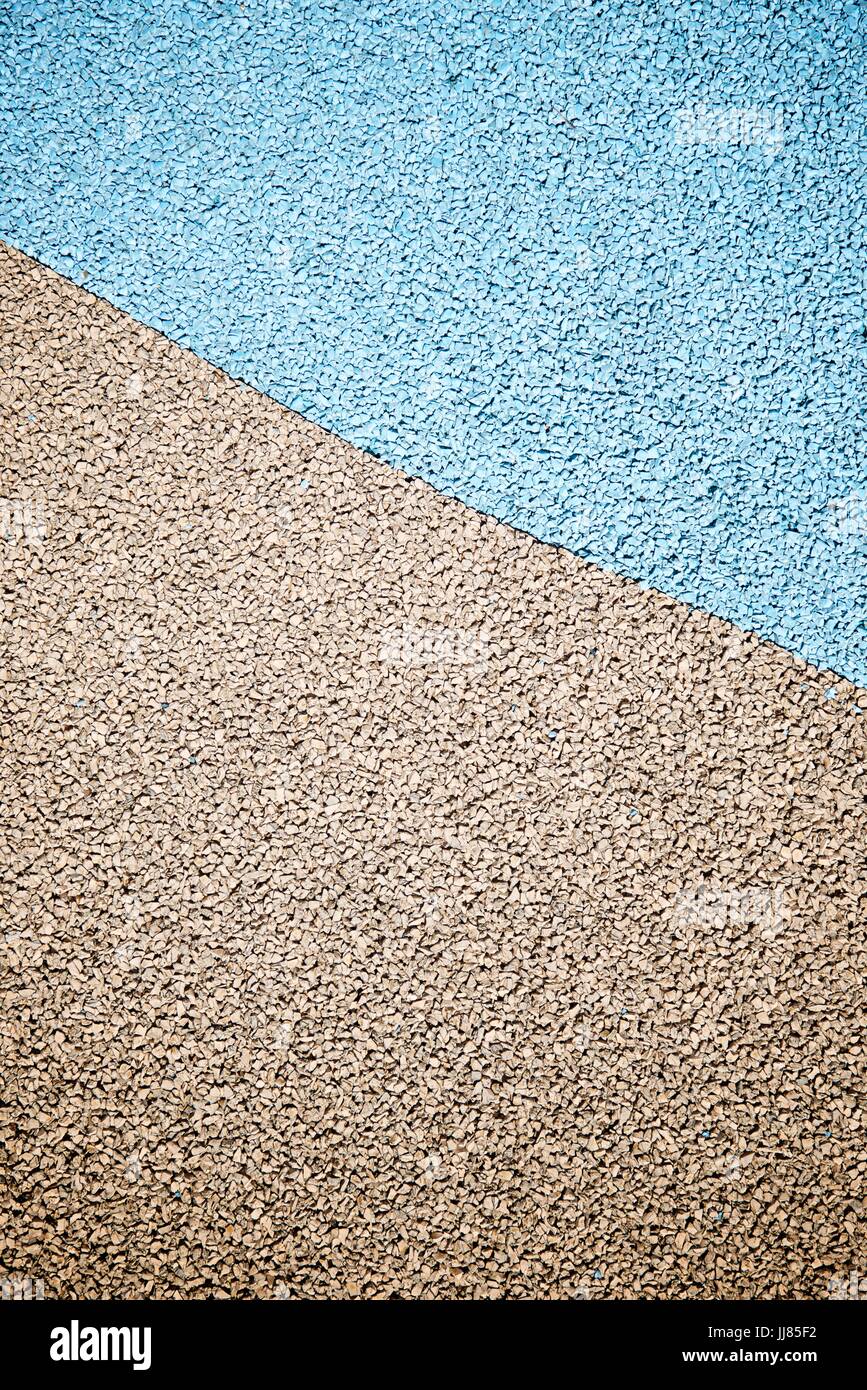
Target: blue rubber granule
{"points": [[594, 268]]}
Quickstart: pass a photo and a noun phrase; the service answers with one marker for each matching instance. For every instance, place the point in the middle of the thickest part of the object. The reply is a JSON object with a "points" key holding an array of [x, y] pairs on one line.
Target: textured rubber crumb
{"points": [[395, 905], [596, 269]]}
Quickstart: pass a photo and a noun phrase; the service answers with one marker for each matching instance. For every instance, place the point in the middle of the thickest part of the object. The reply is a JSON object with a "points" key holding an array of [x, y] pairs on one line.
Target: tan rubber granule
{"points": [[395, 905]]}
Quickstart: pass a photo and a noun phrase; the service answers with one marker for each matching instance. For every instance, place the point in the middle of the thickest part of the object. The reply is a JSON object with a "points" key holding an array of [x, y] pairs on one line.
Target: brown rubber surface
{"points": [[394, 904]]}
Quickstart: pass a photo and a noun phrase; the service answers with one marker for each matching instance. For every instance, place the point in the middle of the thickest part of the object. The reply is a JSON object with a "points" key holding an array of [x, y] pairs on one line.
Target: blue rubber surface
{"points": [[493, 249]]}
